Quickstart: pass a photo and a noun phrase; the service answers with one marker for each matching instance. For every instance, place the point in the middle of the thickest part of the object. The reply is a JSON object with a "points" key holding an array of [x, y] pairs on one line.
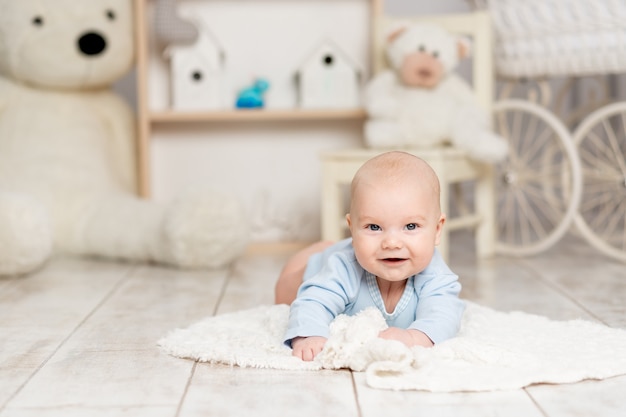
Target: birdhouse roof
{"points": [[203, 32]]}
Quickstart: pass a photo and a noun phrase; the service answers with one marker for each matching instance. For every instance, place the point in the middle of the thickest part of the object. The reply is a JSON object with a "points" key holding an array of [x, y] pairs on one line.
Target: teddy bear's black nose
{"points": [[92, 43]]}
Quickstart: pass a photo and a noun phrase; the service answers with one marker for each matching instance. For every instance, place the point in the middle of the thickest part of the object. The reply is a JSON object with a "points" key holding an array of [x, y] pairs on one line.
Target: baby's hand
{"points": [[410, 337], [306, 348]]}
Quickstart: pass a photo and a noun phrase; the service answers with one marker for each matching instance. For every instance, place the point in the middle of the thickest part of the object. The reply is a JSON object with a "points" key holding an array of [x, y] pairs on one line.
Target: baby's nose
{"points": [[391, 241]]}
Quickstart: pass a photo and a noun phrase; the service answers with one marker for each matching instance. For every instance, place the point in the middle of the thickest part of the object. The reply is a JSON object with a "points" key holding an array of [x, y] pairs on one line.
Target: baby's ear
{"points": [[349, 220], [464, 47]]}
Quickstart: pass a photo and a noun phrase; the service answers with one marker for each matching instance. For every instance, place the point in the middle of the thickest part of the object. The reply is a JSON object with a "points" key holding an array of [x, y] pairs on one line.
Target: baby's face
{"points": [[395, 228]]}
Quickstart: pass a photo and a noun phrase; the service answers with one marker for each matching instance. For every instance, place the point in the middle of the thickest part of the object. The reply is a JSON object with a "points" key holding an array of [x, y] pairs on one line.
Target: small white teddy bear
{"points": [[67, 163], [422, 103]]}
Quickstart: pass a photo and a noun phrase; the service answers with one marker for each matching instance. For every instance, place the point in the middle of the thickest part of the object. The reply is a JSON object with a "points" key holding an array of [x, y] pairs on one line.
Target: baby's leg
{"points": [[291, 276]]}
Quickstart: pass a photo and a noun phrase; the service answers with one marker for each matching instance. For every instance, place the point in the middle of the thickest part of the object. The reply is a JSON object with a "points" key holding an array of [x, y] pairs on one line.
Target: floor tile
{"points": [[151, 303], [40, 311], [588, 398], [596, 283], [506, 285], [252, 283], [218, 390], [84, 379], [374, 403], [78, 411]]}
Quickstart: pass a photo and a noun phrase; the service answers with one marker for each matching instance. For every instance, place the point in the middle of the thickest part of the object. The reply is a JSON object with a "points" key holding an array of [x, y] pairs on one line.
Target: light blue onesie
{"points": [[335, 283]]}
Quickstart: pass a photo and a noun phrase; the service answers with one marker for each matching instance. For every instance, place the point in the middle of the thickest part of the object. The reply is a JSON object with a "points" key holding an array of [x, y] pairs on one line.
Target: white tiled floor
{"points": [[78, 339]]}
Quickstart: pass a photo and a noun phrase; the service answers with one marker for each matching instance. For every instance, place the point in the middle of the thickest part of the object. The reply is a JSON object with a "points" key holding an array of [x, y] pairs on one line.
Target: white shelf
{"points": [[256, 115]]}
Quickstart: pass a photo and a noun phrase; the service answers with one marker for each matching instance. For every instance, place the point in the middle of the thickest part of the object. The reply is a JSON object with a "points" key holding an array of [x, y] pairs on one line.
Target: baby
{"points": [[390, 262]]}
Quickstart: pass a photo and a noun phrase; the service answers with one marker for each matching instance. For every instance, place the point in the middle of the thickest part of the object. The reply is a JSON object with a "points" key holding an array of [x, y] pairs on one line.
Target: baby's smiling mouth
{"points": [[394, 260]]}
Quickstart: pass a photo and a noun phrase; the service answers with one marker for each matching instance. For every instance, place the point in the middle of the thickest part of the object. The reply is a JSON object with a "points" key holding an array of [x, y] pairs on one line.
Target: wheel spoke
{"points": [[614, 218], [550, 176], [603, 211], [505, 131], [593, 203], [623, 221], [531, 153], [517, 126], [593, 178], [549, 210], [594, 161], [531, 131], [530, 137], [619, 158], [531, 219], [598, 144]]}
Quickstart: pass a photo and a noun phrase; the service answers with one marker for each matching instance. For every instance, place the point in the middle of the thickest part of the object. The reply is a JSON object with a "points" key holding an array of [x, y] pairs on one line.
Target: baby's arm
{"points": [[307, 348], [410, 337], [320, 299], [439, 309]]}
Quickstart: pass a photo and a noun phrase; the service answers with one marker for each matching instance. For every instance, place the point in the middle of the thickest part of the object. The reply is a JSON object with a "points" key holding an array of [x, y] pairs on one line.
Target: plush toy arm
{"points": [[198, 230], [471, 131], [379, 98], [471, 128], [118, 226], [25, 234], [458, 89]]}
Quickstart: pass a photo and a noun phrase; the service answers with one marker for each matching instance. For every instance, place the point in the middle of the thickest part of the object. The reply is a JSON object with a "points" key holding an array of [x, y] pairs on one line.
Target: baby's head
{"points": [[395, 215]]}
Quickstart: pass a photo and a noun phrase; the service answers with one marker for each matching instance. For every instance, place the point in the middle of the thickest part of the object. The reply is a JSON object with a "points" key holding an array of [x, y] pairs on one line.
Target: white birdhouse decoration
{"points": [[197, 72], [328, 79]]}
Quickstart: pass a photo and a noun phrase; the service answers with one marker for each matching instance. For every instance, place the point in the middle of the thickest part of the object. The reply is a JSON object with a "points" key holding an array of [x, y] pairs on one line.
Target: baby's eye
{"points": [[411, 226], [373, 227]]}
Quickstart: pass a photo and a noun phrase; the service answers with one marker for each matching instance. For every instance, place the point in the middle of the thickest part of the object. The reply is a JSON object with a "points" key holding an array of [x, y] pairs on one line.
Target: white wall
{"points": [[273, 167]]}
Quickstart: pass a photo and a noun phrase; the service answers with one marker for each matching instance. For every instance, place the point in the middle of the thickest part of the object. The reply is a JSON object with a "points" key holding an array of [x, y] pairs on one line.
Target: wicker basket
{"points": [[537, 38]]}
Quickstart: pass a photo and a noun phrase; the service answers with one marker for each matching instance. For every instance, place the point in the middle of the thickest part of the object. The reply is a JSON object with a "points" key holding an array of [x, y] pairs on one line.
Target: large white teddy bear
{"points": [[421, 102], [67, 163]]}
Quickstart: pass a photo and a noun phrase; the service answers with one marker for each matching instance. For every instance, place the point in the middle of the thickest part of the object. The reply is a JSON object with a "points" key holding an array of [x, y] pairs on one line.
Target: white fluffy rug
{"points": [[493, 351]]}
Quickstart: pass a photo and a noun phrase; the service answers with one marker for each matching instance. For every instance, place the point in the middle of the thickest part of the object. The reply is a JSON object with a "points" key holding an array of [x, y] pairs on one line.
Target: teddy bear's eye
{"points": [[435, 54], [37, 21], [110, 14]]}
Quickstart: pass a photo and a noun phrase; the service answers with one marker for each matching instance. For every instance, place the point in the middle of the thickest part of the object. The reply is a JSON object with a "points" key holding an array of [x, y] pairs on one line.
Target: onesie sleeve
{"points": [[439, 308], [322, 297]]}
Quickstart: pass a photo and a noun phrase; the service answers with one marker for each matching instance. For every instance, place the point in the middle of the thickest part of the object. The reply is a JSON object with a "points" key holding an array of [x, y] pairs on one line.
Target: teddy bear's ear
{"points": [[464, 47], [393, 35], [395, 29]]}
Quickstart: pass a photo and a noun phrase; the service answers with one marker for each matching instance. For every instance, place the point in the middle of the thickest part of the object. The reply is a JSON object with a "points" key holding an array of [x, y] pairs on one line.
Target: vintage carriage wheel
{"points": [[601, 142], [538, 186]]}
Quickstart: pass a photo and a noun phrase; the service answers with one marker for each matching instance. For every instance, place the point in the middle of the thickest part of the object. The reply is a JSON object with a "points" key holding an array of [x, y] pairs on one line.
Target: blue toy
{"points": [[252, 97]]}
